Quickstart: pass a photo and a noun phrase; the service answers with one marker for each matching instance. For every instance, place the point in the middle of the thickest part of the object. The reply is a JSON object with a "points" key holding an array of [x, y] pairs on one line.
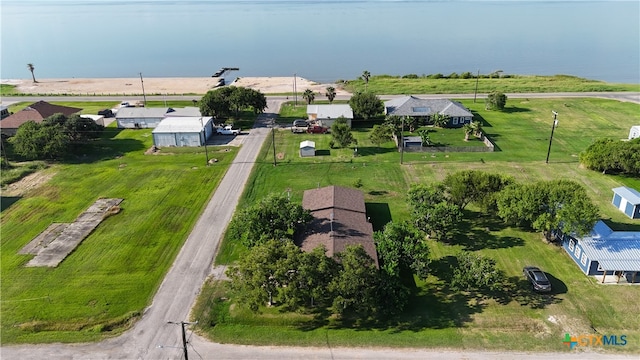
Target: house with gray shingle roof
{"points": [[423, 109], [326, 115], [606, 252], [339, 220]]}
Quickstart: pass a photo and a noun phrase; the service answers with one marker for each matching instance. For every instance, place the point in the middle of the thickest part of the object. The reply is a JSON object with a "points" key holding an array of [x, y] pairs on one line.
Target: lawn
{"points": [[395, 85], [104, 285], [439, 317]]}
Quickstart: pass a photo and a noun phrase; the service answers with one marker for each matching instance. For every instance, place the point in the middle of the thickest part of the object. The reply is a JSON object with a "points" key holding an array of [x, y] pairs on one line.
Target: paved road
{"points": [[620, 96], [154, 338]]}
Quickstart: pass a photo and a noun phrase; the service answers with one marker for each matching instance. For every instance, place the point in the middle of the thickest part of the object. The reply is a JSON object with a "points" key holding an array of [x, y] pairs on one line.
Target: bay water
{"points": [[319, 40]]}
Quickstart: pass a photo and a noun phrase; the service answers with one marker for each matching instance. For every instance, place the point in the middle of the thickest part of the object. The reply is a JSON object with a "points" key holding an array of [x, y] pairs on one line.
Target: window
{"points": [[583, 261], [421, 109], [600, 267], [577, 252], [455, 121], [572, 244]]}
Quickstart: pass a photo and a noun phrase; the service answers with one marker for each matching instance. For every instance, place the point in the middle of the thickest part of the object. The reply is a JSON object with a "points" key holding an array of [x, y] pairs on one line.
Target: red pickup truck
{"points": [[316, 129]]}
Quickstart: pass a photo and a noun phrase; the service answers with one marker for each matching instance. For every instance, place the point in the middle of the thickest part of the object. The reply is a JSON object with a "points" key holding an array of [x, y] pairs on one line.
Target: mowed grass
{"points": [[395, 85], [105, 284], [437, 316]]}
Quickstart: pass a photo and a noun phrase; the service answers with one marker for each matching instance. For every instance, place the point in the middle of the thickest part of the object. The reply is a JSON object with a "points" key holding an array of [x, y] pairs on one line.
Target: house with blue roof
{"points": [[627, 200], [606, 252]]}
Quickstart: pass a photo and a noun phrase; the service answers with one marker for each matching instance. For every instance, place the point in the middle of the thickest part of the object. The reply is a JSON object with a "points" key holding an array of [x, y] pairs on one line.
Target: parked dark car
{"points": [[537, 278], [315, 129], [106, 113]]}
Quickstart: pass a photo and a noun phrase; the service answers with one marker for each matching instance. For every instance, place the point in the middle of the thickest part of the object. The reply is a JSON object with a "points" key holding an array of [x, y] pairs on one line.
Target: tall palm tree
{"points": [[31, 68], [309, 96], [331, 93], [365, 76]]}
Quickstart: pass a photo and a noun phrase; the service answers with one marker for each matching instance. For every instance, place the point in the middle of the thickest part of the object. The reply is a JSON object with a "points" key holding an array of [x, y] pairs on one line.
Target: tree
{"points": [[79, 129], [221, 102], [310, 281], [440, 120], [394, 122], [614, 156], [341, 133], [365, 76], [366, 105], [424, 137], [380, 134], [309, 96], [472, 186], [31, 69], [466, 128], [274, 217], [495, 101], [547, 206], [476, 126], [355, 285], [261, 275], [38, 141], [476, 273], [402, 250], [431, 212], [330, 94]]}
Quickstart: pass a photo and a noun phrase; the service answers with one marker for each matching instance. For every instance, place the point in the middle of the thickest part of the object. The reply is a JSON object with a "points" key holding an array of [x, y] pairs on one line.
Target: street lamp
{"points": [[553, 126]]}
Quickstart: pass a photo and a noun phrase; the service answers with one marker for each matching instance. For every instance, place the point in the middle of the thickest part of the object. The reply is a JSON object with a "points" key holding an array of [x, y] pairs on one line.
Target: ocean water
{"points": [[319, 40]]}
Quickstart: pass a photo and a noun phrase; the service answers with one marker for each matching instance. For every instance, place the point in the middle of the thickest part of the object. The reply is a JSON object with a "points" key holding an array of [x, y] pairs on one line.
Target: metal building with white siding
{"points": [[182, 131], [627, 200]]}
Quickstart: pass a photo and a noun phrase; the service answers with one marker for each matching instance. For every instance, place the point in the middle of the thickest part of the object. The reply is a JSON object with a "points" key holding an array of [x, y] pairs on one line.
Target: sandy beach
{"points": [[162, 86]]}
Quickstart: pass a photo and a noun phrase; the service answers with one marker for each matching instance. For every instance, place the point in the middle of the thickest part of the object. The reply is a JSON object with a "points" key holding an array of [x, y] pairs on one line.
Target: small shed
{"points": [[627, 200], [412, 141], [307, 148], [634, 133], [182, 131]]}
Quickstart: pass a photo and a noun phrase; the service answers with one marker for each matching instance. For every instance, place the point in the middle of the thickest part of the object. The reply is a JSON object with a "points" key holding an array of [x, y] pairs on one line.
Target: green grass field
{"points": [[519, 320], [101, 287]]}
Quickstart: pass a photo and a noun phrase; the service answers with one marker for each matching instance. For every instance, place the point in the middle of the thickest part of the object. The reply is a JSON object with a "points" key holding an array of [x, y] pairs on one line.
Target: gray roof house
{"points": [[325, 115], [339, 220], [182, 131], [424, 108], [139, 117]]}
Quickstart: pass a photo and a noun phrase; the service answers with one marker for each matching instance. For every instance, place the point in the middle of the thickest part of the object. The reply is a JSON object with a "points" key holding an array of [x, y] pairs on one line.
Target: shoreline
{"points": [[161, 86]]}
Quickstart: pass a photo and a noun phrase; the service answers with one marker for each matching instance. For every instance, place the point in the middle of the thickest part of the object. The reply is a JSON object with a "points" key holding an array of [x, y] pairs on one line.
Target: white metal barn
{"points": [[307, 148], [182, 131], [139, 117], [634, 132]]}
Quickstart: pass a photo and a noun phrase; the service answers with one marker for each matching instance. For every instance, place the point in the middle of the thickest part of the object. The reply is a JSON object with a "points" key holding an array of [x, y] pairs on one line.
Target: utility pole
{"points": [[144, 96], [184, 335], [553, 126], [273, 139], [475, 93], [295, 90], [204, 134], [402, 142]]}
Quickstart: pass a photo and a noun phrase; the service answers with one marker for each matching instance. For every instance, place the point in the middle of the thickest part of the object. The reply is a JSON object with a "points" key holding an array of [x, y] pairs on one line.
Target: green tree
{"points": [[366, 105], [402, 250], [431, 212], [549, 205], [466, 128], [309, 96], [365, 76], [395, 123], [31, 69], [473, 186], [341, 133], [356, 284], [38, 141], [330, 94], [222, 102], [79, 129], [310, 281], [380, 134], [424, 137], [261, 275], [440, 120], [274, 217], [495, 101], [613, 156], [476, 273], [476, 126]]}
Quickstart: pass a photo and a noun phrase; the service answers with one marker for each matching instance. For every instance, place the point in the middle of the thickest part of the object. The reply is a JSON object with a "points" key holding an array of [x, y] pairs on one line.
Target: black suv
{"points": [[537, 278]]}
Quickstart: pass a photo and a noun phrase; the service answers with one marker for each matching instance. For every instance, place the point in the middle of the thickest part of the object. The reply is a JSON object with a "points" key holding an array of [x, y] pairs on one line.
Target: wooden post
{"points": [[604, 275]]}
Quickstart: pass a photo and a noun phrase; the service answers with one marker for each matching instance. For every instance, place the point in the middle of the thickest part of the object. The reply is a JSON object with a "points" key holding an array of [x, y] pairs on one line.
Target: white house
{"points": [[139, 117], [634, 132], [307, 148], [182, 131], [326, 115]]}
